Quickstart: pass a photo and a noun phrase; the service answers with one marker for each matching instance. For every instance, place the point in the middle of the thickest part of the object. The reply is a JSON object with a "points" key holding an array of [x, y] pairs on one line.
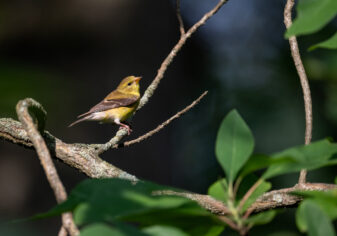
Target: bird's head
{"points": [[129, 85]]}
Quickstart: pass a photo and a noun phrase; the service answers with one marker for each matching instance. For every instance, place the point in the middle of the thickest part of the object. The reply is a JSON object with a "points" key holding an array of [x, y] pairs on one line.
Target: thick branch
{"points": [[80, 156], [281, 198], [303, 78], [44, 155]]}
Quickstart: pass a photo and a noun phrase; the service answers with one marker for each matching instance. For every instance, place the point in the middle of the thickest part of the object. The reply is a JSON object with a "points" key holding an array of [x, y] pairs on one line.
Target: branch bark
{"points": [[303, 79], [274, 199], [44, 155], [80, 156]]}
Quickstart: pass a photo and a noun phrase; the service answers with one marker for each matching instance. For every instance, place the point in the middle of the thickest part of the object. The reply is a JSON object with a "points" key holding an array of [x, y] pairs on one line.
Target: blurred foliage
{"points": [[313, 15], [118, 202]]}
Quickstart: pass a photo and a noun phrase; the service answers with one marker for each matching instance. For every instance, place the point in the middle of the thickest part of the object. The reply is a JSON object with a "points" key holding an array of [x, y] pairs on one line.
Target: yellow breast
{"points": [[121, 113]]}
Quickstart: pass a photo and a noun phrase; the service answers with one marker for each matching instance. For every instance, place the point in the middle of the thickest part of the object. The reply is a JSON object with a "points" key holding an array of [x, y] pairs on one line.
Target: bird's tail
{"points": [[80, 120]]}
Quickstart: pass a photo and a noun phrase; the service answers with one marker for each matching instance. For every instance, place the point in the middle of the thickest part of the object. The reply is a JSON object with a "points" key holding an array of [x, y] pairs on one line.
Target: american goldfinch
{"points": [[118, 106]]}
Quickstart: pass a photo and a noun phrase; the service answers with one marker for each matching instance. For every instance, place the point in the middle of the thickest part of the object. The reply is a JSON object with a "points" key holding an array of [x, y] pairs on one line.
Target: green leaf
{"points": [[218, 190], [109, 199], [326, 200], [310, 218], [258, 162], [330, 43], [117, 201], [312, 156], [190, 218], [105, 230], [234, 144], [261, 218], [161, 230], [312, 15]]}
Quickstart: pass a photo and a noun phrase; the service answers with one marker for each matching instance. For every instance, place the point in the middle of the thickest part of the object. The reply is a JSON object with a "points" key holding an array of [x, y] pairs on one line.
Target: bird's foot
{"points": [[126, 127]]}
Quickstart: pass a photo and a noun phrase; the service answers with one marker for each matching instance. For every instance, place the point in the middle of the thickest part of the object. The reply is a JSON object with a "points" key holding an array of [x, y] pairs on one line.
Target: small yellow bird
{"points": [[118, 106]]}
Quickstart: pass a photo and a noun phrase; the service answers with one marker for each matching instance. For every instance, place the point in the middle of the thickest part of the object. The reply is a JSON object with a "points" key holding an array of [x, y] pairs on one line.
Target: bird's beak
{"points": [[138, 78]]}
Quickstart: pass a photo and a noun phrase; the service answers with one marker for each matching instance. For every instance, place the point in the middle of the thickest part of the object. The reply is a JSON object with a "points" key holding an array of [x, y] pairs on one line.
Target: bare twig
{"points": [[168, 60], [44, 155], [303, 78], [164, 124], [180, 19], [248, 194]]}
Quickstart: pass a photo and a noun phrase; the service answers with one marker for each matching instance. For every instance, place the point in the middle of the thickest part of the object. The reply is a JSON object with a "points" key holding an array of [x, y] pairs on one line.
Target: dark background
{"points": [[68, 55]]}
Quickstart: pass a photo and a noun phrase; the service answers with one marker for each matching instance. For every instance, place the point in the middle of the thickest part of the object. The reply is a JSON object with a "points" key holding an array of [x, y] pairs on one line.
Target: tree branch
{"points": [[281, 198], [80, 156], [161, 71], [168, 60], [164, 124], [44, 155], [303, 78]]}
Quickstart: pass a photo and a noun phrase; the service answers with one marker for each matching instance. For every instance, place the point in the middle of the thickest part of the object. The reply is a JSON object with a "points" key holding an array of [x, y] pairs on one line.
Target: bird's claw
{"points": [[128, 129]]}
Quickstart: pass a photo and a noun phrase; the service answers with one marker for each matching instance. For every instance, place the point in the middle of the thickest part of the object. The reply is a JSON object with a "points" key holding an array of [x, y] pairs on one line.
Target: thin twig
{"points": [[164, 124], [45, 158], [304, 81], [168, 60], [180, 19], [248, 194]]}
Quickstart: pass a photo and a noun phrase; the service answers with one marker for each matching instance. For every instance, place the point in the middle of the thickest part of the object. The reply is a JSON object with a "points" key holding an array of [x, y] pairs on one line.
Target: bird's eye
{"points": [[129, 83]]}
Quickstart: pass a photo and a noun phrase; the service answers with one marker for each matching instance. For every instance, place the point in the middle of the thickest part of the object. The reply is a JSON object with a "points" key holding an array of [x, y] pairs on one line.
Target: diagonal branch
{"points": [[163, 125], [168, 60], [44, 155], [161, 71], [303, 78]]}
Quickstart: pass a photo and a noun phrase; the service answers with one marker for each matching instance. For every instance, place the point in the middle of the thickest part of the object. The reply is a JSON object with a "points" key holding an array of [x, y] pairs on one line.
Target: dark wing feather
{"points": [[108, 104]]}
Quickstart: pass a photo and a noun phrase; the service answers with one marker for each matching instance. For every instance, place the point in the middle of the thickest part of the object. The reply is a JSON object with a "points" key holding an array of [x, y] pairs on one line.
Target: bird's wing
{"points": [[110, 102]]}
